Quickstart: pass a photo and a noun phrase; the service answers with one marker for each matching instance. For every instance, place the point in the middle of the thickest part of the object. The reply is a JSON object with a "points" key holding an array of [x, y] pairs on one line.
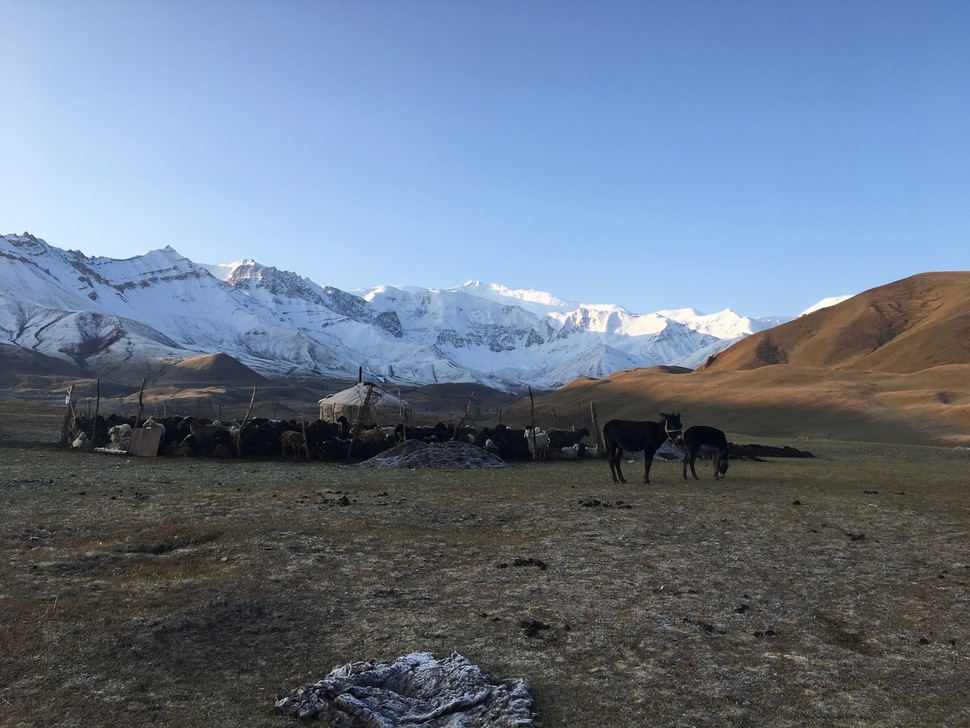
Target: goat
{"points": [[634, 436], [538, 442], [703, 440], [294, 442]]}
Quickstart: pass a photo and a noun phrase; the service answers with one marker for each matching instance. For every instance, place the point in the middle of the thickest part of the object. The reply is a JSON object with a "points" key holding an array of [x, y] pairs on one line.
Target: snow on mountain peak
{"points": [[223, 271], [161, 306], [824, 303], [497, 292]]}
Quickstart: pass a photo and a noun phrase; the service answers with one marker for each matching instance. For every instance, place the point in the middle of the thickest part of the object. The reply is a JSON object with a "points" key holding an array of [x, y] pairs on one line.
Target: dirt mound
{"points": [[209, 369], [413, 454]]}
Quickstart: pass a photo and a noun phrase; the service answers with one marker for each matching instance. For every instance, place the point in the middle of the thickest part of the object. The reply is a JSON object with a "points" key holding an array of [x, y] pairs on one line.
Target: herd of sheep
{"points": [[320, 440]]}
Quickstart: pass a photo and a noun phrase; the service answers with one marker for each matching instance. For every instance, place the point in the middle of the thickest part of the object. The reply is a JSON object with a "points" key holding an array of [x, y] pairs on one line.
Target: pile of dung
{"points": [[454, 455]]}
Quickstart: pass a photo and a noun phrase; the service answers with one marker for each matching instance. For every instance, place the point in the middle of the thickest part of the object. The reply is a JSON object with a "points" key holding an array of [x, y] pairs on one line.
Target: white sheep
{"points": [[538, 442], [570, 453], [82, 441], [151, 424], [119, 437]]}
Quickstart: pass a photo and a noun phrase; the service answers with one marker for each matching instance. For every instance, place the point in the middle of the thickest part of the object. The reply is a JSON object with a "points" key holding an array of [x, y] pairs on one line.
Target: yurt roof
{"points": [[356, 396]]}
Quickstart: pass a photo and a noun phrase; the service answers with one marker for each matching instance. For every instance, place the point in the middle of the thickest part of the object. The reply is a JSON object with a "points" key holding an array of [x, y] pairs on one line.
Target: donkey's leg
{"points": [[693, 459], [647, 461], [614, 459], [690, 453]]}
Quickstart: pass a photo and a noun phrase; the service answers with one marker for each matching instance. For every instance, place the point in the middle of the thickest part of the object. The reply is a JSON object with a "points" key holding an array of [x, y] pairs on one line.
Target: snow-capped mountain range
{"points": [[109, 316]]}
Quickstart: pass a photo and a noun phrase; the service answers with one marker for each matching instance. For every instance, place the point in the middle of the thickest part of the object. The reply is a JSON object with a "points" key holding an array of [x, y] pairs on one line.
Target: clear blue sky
{"points": [[752, 155]]}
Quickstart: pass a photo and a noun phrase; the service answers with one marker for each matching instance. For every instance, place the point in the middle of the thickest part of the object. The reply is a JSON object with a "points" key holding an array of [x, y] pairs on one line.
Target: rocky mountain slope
{"points": [[135, 318]]}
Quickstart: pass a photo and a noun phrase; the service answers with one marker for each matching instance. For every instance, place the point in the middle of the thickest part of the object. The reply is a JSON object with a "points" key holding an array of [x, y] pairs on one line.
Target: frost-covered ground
{"points": [[828, 591]]}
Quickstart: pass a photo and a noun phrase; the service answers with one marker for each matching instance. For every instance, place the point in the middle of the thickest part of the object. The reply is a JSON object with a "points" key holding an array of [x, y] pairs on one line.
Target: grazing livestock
{"points": [[559, 439], [511, 443], [538, 442], [634, 436], [374, 436], [293, 442], [425, 433], [204, 439], [465, 434], [703, 440], [573, 452]]}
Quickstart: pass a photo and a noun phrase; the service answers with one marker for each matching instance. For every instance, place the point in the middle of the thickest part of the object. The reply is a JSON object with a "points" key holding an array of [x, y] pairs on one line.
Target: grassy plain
{"points": [[820, 592]]}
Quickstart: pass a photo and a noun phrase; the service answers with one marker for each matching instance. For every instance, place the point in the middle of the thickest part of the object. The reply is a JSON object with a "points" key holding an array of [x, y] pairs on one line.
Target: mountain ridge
{"points": [[112, 316]]}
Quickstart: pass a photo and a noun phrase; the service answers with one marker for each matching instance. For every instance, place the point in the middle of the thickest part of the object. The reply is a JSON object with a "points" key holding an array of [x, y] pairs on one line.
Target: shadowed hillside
{"points": [[19, 367], [930, 407]]}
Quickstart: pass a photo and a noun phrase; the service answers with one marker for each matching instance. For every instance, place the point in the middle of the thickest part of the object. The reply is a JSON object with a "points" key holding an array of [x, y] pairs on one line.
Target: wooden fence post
{"points": [[70, 418], [468, 407], [596, 428], [141, 404], [360, 414], [532, 423], [97, 411], [245, 418]]}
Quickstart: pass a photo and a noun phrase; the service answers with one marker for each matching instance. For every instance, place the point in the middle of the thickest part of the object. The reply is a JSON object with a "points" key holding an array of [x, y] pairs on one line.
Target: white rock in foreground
{"points": [[415, 690]]}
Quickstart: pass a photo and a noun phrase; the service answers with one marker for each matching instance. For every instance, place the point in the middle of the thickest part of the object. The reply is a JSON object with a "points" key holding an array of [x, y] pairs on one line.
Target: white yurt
{"points": [[366, 403]]}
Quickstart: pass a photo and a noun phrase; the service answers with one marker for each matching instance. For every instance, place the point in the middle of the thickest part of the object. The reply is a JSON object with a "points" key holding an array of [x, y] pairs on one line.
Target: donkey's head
{"points": [[673, 427]]}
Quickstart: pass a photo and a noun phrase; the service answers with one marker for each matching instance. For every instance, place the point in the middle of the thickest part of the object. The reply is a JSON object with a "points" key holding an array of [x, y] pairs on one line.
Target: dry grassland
{"points": [[926, 408], [820, 592]]}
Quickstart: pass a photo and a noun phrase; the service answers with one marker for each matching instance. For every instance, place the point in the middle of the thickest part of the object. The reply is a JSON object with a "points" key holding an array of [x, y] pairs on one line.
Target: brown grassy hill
{"points": [[889, 365], [210, 369], [903, 327]]}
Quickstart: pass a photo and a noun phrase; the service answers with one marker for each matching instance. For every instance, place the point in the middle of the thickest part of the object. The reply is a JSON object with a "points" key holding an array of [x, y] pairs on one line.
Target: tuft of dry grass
{"points": [[819, 592]]}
